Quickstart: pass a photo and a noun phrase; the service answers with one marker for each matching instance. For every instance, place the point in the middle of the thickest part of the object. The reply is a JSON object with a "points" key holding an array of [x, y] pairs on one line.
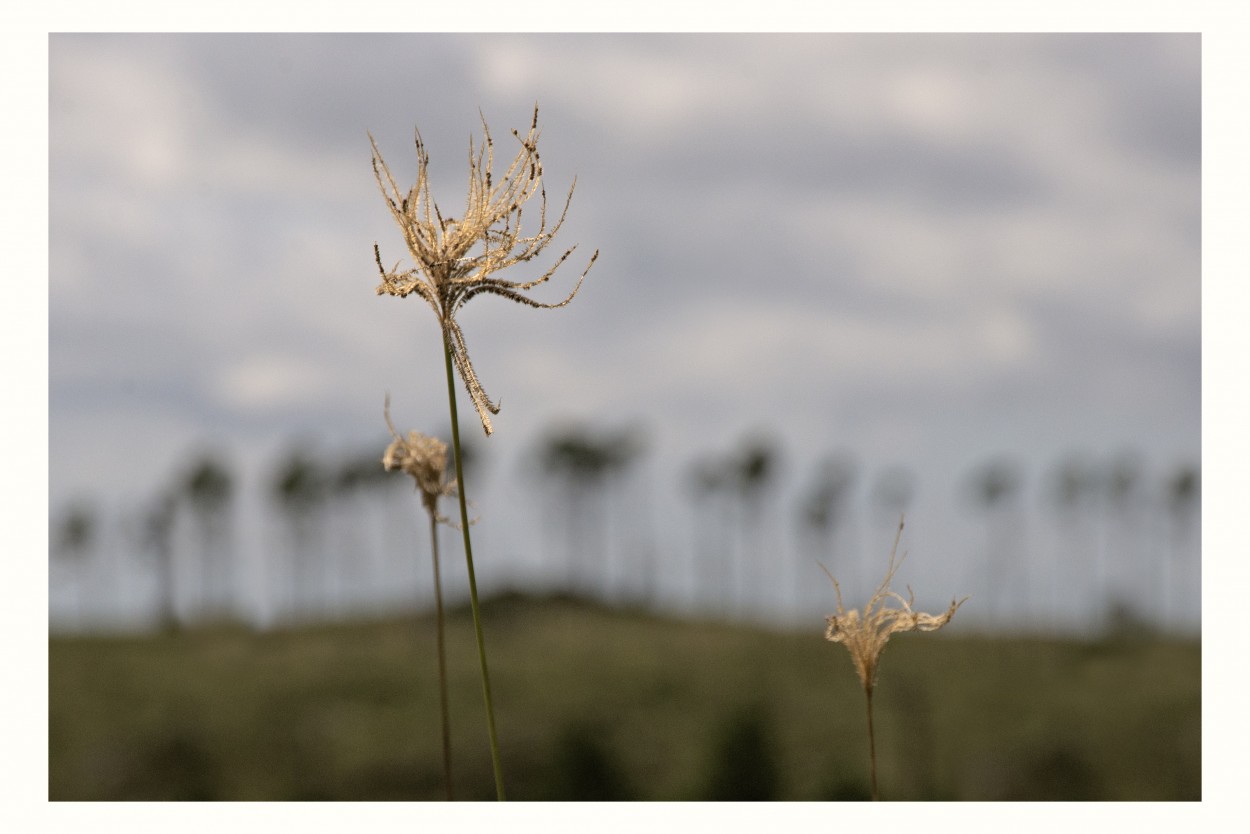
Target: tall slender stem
{"points": [[872, 746], [468, 556], [442, 657]]}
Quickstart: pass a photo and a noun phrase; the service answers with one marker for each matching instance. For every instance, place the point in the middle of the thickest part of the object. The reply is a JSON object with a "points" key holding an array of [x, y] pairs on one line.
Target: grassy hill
{"points": [[595, 703]]}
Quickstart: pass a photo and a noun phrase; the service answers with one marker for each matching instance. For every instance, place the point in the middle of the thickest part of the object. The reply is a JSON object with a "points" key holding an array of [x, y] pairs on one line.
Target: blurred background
{"points": [[841, 278], [1085, 547]]}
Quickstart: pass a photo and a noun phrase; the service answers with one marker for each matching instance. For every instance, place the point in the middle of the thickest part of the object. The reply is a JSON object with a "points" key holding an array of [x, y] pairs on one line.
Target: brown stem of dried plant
{"points": [[442, 658], [872, 746], [425, 459]]}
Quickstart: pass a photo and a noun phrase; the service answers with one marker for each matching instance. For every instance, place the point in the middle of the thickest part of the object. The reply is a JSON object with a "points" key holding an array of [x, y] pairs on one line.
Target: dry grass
{"points": [[457, 259], [865, 634]]}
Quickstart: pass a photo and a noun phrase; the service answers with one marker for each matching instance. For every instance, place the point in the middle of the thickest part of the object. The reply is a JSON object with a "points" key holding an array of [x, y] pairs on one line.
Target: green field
{"points": [[596, 703]]}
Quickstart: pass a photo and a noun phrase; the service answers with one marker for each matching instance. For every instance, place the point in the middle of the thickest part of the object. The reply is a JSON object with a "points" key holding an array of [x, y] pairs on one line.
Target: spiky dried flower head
{"points": [[421, 456], [455, 259], [865, 633]]}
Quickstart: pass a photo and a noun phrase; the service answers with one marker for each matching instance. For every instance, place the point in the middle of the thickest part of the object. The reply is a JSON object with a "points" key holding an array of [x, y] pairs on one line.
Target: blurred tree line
{"points": [[1104, 532]]}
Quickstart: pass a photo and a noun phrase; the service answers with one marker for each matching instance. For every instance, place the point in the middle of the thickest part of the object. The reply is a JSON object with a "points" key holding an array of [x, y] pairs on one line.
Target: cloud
{"points": [[889, 221], [268, 381]]}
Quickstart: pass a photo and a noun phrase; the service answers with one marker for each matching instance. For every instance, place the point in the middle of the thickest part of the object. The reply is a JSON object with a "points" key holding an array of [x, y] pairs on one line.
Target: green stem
{"points": [[872, 746], [442, 657], [468, 556]]}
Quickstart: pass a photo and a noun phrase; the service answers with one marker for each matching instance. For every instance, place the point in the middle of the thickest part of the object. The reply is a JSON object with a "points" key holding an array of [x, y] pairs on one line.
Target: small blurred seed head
{"points": [[421, 456]]}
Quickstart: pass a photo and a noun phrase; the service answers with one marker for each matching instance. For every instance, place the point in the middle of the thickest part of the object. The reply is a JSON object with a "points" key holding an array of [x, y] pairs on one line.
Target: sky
{"points": [[908, 251]]}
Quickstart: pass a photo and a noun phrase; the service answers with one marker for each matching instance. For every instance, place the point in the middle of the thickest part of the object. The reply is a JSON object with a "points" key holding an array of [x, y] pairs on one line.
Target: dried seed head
{"points": [[455, 259], [865, 633], [421, 456]]}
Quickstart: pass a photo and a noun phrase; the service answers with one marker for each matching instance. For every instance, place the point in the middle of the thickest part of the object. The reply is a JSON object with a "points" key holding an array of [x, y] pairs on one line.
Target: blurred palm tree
{"points": [[1074, 576], [585, 465], [300, 488], [73, 541], [1184, 490], [156, 536], [75, 533], [208, 489], [994, 487], [755, 470], [825, 513], [710, 483], [353, 485], [890, 498], [1183, 496], [1125, 553]]}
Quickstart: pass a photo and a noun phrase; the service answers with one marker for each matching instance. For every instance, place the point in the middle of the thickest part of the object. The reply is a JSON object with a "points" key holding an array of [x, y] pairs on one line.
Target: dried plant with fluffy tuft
{"points": [[456, 258], [865, 633]]}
